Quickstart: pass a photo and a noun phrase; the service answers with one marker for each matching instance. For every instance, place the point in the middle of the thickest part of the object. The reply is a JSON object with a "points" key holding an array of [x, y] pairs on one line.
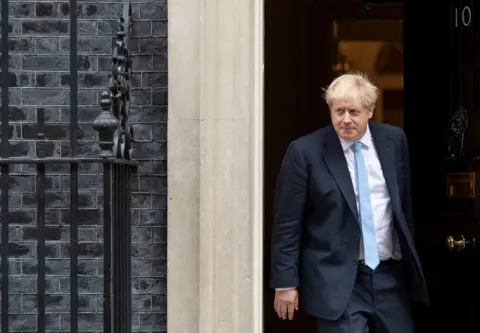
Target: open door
{"points": [[441, 77], [442, 121]]}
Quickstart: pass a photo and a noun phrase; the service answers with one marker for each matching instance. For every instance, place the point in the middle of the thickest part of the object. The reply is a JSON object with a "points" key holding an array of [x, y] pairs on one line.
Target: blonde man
{"points": [[342, 241]]}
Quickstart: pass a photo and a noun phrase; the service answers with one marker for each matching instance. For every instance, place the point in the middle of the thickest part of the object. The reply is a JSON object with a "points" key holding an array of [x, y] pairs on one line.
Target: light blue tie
{"points": [[365, 209]]}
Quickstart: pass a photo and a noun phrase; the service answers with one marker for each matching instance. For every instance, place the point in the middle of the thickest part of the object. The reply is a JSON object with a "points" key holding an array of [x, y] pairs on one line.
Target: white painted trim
{"points": [[258, 160]]}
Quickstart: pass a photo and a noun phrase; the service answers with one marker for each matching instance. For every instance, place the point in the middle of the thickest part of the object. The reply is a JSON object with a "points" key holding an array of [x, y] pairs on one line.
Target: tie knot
{"points": [[357, 147]]}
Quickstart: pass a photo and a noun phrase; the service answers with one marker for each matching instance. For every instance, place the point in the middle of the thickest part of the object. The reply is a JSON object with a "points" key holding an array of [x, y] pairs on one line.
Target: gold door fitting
{"points": [[459, 244]]}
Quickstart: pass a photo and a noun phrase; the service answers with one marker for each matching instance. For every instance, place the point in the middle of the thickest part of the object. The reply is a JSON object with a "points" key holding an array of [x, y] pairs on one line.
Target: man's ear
{"points": [[370, 111]]}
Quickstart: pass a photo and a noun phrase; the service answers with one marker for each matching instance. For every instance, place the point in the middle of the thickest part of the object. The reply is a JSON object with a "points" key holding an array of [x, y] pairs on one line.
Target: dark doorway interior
{"points": [[439, 73]]}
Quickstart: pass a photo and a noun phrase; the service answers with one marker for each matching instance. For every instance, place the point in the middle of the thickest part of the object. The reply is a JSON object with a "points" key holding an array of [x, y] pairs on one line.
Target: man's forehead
{"points": [[347, 102]]}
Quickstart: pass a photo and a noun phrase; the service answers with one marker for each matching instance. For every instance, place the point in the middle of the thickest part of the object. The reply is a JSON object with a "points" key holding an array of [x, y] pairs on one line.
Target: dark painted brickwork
{"points": [[39, 63]]}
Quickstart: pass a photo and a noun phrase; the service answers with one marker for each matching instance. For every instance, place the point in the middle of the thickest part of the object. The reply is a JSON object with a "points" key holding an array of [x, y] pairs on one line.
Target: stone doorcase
{"points": [[215, 166]]}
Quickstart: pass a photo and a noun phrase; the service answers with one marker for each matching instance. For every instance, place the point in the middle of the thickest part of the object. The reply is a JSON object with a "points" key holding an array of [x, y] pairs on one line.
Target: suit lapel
{"points": [[386, 155], [337, 164]]}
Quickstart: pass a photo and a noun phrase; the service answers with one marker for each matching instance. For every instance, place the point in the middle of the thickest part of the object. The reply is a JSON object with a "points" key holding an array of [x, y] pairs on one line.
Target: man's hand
{"points": [[286, 302]]}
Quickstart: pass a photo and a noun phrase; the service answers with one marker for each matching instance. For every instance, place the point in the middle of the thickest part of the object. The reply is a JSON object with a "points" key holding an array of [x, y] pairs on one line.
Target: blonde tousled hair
{"points": [[352, 83]]}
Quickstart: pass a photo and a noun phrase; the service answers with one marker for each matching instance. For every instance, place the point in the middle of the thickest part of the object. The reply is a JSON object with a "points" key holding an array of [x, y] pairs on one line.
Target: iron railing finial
{"points": [[116, 137]]}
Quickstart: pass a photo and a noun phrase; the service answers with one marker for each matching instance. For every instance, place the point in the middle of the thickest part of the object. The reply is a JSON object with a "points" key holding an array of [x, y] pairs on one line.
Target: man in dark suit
{"points": [[342, 241]]}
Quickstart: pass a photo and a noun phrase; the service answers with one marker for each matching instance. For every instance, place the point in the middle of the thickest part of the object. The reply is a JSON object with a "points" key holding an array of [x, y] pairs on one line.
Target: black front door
{"points": [[442, 121]]}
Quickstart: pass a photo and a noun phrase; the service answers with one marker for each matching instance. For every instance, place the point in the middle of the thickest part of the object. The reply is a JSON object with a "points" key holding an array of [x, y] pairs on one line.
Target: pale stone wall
{"points": [[215, 158]]}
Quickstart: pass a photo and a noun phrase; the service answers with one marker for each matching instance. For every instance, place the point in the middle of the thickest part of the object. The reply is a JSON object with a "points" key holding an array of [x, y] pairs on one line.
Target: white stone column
{"points": [[215, 165]]}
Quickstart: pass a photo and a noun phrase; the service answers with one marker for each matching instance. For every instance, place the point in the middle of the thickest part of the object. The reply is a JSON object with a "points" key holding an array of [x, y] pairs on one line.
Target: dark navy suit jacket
{"points": [[316, 229]]}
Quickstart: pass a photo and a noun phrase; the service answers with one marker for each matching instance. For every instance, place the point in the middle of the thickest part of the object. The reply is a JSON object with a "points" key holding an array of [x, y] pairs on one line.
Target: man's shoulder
{"points": [[314, 138], [308, 145], [394, 132]]}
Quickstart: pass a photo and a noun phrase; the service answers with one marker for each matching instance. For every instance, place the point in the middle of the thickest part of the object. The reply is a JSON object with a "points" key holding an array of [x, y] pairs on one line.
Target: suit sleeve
{"points": [[407, 199], [289, 204]]}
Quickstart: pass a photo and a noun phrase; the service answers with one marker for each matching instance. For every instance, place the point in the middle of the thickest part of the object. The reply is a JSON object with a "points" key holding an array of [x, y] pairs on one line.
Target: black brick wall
{"points": [[39, 64]]}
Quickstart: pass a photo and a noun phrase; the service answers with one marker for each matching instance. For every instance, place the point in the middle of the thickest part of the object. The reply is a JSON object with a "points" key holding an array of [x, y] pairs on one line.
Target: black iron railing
{"points": [[116, 146]]}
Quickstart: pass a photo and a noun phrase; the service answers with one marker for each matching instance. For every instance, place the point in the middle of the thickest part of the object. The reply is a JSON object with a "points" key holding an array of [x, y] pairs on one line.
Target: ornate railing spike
{"points": [[115, 131]]}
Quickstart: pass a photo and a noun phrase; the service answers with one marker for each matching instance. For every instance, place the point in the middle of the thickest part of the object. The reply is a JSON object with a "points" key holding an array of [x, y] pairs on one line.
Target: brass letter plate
{"points": [[461, 185]]}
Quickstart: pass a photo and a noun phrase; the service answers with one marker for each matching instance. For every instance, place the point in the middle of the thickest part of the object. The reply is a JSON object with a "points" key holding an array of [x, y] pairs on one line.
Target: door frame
{"points": [[215, 166]]}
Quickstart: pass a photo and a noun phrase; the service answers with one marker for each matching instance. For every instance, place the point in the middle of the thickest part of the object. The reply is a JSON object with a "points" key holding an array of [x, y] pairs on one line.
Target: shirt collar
{"points": [[366, 140]]}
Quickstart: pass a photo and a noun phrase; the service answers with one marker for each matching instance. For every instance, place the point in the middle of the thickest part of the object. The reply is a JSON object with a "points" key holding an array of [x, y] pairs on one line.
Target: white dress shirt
{"points": [[387, 241]]}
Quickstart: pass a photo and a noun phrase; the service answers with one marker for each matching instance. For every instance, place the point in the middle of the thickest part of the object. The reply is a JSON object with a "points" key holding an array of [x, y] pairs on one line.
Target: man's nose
{"points": [[347, 119]]}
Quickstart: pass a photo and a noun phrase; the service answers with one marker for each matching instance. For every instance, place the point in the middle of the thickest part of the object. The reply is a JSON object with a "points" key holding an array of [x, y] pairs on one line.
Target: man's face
{"points": [[350, 118]]}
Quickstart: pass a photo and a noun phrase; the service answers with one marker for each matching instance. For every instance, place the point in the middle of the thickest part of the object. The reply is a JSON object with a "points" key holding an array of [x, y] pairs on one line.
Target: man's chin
{"points": [[348, 135]]}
